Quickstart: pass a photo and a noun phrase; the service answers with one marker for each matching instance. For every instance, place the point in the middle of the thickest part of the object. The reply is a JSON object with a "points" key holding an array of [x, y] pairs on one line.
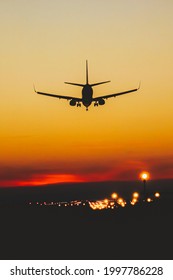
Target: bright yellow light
{"points": [[114, 195], [134, 200], [122, 204], [144, 175], [99, 204], [120, 200], [136, 194], [157, 194], [149, 199]]}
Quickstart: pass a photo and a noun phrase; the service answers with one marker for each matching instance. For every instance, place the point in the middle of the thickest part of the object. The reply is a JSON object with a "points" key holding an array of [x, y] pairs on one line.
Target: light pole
{"points": [[144, 177]]}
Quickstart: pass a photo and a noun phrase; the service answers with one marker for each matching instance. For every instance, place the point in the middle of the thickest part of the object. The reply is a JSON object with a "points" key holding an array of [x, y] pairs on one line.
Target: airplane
{"points": [[87, 94]]}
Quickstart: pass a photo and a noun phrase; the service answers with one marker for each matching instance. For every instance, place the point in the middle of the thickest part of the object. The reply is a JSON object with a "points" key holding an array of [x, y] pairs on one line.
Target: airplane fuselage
{"points": [[87, 95]]}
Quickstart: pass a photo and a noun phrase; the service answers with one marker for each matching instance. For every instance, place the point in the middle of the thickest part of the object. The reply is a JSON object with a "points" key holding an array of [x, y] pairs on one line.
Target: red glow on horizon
{"points": [[40, 180], [46, 179], [52, 179]]}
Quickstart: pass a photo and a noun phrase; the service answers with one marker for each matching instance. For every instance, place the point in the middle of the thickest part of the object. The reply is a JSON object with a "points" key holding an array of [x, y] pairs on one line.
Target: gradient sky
{"points": [[46, 42]]}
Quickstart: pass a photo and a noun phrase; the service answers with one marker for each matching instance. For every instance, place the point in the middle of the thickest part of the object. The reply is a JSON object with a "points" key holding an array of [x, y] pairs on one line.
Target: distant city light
{"points": [[113, 203]]}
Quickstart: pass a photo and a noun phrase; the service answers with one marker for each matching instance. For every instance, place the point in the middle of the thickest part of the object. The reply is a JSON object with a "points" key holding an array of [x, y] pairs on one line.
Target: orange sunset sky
{"points": [[46, 42]]}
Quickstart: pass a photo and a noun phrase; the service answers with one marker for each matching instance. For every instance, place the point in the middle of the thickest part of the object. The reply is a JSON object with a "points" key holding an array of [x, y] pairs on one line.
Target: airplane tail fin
{"points": [[81, 85], [86, 71], [95, 84]]}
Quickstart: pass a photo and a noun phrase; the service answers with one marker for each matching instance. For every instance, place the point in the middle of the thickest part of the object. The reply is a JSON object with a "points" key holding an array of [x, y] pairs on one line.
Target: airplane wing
{"points": [[59, 96], [114, 94]]}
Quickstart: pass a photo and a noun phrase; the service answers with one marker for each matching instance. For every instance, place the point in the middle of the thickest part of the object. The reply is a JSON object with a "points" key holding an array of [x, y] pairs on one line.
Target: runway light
{"points": [[99, 204], [120, 200], [135, 194], [134, 201], [157, 194], [114, 195], [149, 199]]}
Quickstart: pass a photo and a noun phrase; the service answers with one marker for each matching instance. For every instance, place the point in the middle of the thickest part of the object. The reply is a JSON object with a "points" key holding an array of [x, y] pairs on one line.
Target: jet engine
{"points": [[72, 102], [101, 101]]}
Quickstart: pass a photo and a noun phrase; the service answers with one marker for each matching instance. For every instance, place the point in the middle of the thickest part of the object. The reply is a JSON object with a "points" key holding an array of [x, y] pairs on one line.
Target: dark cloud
{"points": [[161, 167], [21, 173]]}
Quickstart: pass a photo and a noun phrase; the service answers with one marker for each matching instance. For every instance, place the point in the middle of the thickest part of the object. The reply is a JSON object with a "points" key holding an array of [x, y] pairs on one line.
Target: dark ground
{"points": [[143, 231]]}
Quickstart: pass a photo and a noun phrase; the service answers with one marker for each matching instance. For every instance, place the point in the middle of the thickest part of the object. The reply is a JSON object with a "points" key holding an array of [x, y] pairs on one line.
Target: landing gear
{"points": [[86, 108], [78, 105], [96, 104]]}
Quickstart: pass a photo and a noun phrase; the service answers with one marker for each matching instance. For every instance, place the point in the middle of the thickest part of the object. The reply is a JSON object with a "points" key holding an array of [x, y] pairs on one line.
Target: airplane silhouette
{"points": [[87, 94]]}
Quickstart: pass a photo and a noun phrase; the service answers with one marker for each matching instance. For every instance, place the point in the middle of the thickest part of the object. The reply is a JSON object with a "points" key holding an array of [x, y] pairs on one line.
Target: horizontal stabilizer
{"points": [[74, 84], [96, 84]]}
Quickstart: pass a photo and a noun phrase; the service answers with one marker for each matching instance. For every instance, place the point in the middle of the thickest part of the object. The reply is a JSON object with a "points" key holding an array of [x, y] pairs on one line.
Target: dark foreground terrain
{"points": [[143, 231]]}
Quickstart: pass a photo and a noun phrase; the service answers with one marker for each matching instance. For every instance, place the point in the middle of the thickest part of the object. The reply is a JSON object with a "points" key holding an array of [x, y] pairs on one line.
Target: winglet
{"points": [[34, 88], [139, 85]]}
